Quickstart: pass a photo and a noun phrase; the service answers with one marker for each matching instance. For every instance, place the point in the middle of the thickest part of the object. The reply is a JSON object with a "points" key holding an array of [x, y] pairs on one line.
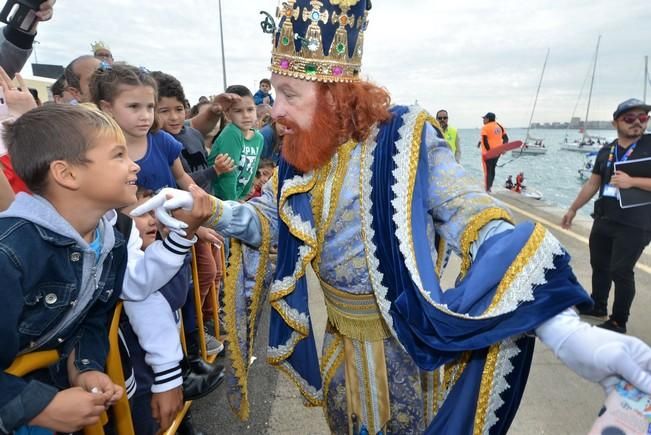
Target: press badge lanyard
{"points": [[609, 189], [614, 157]]}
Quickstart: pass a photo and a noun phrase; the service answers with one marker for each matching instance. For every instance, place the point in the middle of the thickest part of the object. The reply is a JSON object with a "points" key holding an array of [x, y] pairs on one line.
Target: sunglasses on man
{"points": [[630, 119], [441, 118]]}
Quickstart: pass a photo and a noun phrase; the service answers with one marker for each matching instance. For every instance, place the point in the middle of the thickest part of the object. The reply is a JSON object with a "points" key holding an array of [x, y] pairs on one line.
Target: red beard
{"points": [[310, 149]]}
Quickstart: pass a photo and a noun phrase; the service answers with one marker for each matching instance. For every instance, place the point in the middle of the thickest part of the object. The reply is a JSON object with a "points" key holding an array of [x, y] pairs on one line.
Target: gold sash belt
{"points": [[353, 315]]}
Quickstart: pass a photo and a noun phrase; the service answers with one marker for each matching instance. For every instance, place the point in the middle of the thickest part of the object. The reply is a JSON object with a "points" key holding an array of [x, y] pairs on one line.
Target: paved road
{"points": [[556, 401]]}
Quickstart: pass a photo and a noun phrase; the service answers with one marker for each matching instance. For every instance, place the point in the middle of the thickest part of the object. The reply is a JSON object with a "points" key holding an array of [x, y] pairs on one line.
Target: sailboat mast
{"points": [[535, 101], [594, 69]]}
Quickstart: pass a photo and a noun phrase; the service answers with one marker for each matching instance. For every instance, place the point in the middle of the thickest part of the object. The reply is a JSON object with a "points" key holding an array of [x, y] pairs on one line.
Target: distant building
{"points": [[575, 123]]}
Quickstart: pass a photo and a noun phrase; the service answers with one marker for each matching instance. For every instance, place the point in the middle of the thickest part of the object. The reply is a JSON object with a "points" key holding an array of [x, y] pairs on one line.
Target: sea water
{"points": [[554, 174]]}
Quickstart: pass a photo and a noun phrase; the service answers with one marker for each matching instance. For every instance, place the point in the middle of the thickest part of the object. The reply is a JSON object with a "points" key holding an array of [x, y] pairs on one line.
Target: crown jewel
{"points": [[318, 40]]}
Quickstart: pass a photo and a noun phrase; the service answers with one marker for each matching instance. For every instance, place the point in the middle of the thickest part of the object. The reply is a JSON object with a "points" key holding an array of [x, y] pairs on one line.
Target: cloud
{"points": [[467, 56]]}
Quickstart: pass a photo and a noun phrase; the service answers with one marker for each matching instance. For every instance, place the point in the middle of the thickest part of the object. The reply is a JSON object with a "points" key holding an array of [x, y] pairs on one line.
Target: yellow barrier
{"points": [[121, 412], [213, 299], [30, 362]]}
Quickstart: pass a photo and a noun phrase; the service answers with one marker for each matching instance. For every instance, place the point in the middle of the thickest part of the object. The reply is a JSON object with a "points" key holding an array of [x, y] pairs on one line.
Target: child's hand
{"points": [[166, 406], [223, 164], [223, 102], [99, 383], [202, 209], [71, 410], [208, 235]]}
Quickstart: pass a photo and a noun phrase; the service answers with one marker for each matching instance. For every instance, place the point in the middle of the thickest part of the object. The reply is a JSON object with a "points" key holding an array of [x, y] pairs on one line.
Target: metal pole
{"points": [[221, 34], [646, 75]]}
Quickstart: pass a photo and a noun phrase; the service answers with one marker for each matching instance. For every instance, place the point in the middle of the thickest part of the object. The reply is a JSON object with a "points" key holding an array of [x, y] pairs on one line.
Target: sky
{"points": [[469, 57]]}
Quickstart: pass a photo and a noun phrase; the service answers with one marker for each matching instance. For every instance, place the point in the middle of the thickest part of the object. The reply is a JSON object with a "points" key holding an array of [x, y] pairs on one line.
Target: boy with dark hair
{"points": [[242, 143], [263, 95]]}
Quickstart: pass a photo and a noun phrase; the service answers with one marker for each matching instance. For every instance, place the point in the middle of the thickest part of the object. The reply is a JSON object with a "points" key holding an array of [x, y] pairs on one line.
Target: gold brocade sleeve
{"points": [[247, 279]]}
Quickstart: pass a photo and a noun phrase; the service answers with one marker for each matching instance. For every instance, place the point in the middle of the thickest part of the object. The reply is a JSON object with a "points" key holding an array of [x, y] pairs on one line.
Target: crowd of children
{"points": [[73, 168]]}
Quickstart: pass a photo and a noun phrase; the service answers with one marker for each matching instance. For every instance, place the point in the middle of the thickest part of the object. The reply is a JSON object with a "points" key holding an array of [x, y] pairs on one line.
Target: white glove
{"points": [[165, 200], [597, 354]]}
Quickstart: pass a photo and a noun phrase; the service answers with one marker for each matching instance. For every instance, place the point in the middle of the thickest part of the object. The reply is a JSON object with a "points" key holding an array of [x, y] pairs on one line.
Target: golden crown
{"points": [[99, 45], [319, 40]]}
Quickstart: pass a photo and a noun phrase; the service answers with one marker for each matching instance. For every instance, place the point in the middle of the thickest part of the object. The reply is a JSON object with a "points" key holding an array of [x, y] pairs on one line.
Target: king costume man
{"points": [[371, 197]]}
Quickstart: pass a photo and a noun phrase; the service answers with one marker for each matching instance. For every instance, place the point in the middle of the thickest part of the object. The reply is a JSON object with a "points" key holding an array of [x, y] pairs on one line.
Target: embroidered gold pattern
{"points": [[485, 389], [471, 232], [240, 367], [340, 169]]}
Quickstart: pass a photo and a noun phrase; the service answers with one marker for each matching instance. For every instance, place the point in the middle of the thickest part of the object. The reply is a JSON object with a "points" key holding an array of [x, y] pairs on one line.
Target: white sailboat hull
{"points": [[529, 151], [580, 148]]}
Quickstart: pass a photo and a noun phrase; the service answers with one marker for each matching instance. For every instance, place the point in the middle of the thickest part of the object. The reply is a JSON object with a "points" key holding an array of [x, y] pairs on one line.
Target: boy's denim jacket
{"points": [[41, 273]]}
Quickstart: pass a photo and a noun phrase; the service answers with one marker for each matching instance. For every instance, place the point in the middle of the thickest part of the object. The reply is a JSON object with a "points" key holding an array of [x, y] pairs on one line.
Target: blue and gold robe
{"points": [[400, 354]]}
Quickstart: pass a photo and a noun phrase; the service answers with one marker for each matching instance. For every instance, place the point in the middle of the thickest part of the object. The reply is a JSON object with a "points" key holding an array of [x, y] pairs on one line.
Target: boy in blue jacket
{"points": [[62, 264]]}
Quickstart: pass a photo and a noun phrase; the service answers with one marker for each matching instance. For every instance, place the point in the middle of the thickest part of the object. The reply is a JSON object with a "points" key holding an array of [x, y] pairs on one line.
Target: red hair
{"points": [[343, 111], [358, 107]]}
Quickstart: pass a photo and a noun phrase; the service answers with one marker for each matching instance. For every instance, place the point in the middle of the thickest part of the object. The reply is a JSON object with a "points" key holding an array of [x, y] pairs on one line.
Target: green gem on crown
{"points": [[285, 40], [341, 47], [310, 69]]}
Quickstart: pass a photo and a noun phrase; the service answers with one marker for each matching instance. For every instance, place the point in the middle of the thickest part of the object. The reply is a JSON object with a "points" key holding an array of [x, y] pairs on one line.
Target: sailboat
{"points": [[532, 146], [587, 143]]}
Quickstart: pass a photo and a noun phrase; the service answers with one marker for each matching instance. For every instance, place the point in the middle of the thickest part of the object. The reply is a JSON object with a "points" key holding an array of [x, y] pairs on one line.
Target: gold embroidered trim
{"points": [[471, 232], [453, 372], [264, 249], [277, 359], [327, 372], [416, 139], [240, 367], [237, 360], [282, 309], [436, 388], [343, 159], [366, 379], [274, 182], [284, 195], [485, 388], [355, 316], [524, 257], [216, 214], [310, 400]]}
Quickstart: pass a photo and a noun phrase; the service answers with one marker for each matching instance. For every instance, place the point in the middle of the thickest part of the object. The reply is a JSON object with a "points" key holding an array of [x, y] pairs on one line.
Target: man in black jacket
{"points": [[619, 235]]}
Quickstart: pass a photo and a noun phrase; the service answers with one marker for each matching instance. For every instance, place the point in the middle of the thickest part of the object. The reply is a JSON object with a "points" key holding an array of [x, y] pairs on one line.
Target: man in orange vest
{"points": [[492, 135]]}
